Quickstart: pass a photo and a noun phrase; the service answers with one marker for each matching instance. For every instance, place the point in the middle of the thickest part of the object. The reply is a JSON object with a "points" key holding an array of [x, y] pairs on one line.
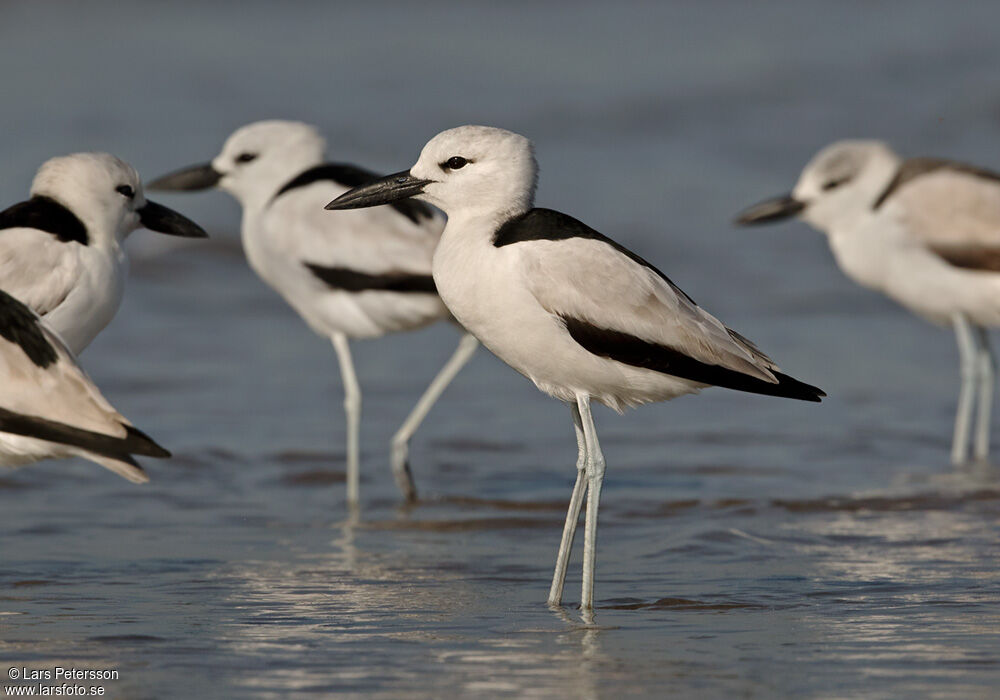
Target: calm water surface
{"points": [[749, 547]]}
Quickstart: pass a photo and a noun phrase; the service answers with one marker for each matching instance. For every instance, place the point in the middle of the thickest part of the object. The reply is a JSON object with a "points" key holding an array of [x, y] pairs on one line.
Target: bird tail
{"points": [[787, 387], [114, 453], [122, 466], [138, 443]]}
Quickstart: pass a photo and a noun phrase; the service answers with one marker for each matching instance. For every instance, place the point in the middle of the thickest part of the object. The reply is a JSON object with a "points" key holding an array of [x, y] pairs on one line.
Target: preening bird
{"points": [[62, 251], [49, 408], [352, 276], [923, 231], [577, 313]]}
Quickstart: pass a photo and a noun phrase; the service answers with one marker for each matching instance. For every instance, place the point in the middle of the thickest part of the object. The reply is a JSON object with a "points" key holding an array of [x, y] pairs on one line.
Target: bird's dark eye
{"points": [[454, 163], [832, 184], [126, 190], [245, 157]]}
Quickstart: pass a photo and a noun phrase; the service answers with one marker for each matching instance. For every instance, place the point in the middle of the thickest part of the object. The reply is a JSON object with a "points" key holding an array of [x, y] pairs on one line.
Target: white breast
{"points": [[77, 289], [280, 238], [93, 299]]}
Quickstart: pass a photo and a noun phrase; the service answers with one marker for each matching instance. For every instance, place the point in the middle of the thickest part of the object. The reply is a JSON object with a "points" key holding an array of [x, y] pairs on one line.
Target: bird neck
{"points": [[482, 223], [470, 232], [256, 195]]}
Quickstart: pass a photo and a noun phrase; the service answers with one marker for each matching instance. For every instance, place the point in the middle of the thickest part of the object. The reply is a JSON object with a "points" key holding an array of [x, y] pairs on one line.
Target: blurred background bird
{"points": [[50, 409], [923, 231], [356, 275], [62, 252]]}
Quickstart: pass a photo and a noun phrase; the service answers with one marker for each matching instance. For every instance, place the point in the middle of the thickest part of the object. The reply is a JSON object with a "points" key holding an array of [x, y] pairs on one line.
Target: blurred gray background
{"points": [[750, 546]]}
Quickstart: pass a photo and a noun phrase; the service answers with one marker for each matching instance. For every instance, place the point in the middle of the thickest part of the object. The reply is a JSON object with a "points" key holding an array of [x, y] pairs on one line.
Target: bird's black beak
{"points": [[770, 210], [196, 177], [382, 191], [157, 217]]}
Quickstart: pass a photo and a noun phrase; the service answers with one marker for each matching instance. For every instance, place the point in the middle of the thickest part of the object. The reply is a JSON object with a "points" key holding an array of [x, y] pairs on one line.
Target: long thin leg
{"points": [[966, 396], [352, 407], [986, 371], [401, 440], [595, 479], [573, 514]]}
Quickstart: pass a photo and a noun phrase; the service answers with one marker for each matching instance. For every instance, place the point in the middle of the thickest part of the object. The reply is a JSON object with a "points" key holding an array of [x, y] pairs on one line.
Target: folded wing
{"points": [[617, 305], [46, 395], [954, 209], [36, 268]]}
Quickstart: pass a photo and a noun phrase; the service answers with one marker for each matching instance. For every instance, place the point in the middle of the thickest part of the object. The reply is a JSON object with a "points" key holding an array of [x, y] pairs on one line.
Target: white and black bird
{"points": [[356, 275], [923, 231], [50, 409], [580, 315], [62, 251]]}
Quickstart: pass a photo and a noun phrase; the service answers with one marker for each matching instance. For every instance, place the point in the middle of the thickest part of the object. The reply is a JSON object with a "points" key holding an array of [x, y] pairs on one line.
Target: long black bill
{"points": [[382, 191], [196, 177], [157, 217], [770, 210]]}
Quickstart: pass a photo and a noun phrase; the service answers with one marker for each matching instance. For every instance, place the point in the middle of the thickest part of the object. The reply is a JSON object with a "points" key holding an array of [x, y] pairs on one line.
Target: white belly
{"points": [[365, 314], [482, 286], [19, 451], [916, 278]]}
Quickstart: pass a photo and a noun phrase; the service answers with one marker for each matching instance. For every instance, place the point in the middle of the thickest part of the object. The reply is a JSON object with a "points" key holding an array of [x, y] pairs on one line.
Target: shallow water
{"points": [[749, 547]]}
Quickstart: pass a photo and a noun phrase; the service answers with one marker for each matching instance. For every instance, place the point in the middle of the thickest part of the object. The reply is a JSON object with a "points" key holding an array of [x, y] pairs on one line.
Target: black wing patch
{"points": [[913, 168], [551, 225], [979, 258], [20, 326], [353, 281], [353, 176], [134, 442], [45, 214], [636, 352]]}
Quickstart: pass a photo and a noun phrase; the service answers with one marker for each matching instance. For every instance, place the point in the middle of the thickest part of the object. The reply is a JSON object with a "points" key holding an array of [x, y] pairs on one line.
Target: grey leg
{"points": [[352, 407], [966, 396], [573, 515], [986, 367], [595, 479], [401, 440], [967, 369]]}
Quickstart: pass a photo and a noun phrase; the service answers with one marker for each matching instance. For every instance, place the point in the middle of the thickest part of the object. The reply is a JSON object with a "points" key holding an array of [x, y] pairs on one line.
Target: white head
{"points": [[839, 184], [477, 170], [478, 167], [106, 195], [255, 161]]}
